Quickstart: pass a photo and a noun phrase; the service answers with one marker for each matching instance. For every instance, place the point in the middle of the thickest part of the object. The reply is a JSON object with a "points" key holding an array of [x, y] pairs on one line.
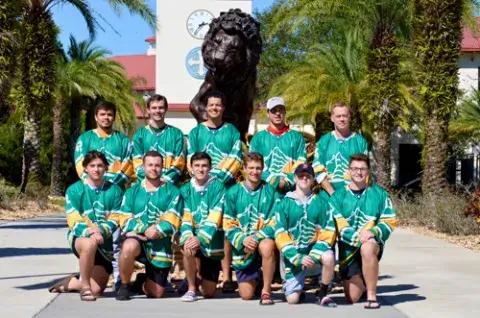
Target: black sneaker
{"points": [[123, 293]]}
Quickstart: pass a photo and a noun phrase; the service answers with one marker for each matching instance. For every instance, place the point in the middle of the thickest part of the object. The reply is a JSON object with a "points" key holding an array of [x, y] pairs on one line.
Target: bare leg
{"points": [[129, 252], [227, 261], [353, 288], [86, 249], [369, 252], [247, 289], [190, 265], [153, 290], [208, 288], [328, 267], [266, 249]]}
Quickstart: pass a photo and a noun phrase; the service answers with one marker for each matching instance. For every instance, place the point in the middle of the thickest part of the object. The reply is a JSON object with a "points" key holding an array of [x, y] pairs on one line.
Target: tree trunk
{"points": [[31, 169], [75, 112], [435, 155], [57, 182], [382, 156]]}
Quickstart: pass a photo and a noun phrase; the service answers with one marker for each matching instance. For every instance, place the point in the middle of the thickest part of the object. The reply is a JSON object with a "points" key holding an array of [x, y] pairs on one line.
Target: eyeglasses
{"points": [[355, 169]]}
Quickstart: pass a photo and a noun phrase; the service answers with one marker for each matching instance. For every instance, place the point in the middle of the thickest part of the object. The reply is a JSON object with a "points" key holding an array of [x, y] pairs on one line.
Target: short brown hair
{"points": [[92, 155], [104, 105], [157, 98], [340, 104], [253, 156], [152, 153], [360, 157]]}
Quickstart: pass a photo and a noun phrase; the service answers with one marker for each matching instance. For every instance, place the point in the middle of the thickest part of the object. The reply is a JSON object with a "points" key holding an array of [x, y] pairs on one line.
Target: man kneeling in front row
{"points": [[149, 217], [249, 223]]}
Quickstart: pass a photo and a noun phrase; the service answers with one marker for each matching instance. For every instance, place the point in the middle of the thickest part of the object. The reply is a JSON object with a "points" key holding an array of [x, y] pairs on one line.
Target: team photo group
{"points": [[138, 199]]}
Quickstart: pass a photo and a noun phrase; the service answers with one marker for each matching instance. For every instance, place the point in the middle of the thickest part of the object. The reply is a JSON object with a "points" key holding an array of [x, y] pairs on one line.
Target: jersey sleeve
{"points": [[81, 148], [256, 146], [126, 173], [319, 160], [170, 220], [109, 225], [176, 165], [347, 234], [192, 146], [325, 232], [137, 155], [77, 223], [301, 152], [283, 240], [229, 167], [387, 220], [231, 225], [125, 215], [215, 216], [268, 231], [186, 229]]}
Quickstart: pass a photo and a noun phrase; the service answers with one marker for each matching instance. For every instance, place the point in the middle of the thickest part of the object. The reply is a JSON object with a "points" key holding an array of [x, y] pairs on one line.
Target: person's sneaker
{"points": [[189, 297], [123, 293], [324, 300]]}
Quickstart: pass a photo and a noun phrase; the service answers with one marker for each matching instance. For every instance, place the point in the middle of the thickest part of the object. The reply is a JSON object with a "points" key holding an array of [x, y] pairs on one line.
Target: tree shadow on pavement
{"points": [[44, 225], [44, 285], [28, 251], [401, 298], [32, 276], [395, 288]]}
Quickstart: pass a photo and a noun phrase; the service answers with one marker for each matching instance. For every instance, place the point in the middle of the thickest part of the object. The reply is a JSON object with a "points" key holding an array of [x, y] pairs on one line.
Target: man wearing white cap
{"points": [[283, 148]]}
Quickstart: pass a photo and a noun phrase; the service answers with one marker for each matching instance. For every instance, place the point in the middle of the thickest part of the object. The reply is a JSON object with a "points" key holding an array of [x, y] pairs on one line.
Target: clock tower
{"points": [[179, 65]]}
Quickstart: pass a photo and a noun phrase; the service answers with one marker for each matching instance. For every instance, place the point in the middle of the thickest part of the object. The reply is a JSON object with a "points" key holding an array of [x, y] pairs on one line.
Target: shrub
{"points": [[440, 212], [473, 207]]}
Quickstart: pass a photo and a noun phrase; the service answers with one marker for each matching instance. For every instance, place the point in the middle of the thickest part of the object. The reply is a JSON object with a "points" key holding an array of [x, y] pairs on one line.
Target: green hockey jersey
{"points": [[332, 157], [169, 142], [223, 144], [282, 154], [116, 147], [87, 206], [372, 211], [303, 228], [248, 212], [203, 216], [142, 209]]}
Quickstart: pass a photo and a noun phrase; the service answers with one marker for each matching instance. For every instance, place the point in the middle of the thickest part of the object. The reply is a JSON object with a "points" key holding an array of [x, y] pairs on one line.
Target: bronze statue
{"points": [[231, 51]]}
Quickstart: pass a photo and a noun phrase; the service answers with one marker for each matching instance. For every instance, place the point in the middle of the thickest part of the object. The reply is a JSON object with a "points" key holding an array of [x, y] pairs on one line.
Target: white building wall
{"points": [[468, 72]]}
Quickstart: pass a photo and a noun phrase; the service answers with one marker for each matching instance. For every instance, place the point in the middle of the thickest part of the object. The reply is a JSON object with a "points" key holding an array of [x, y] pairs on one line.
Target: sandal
{"points": [[265, 300], [369, 304], [87, 295], [62, 285]]}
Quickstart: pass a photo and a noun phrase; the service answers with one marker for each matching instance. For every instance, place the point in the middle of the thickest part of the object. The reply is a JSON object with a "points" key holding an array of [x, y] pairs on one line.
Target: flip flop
{"points": [[265, 300], [369, 304], [87, 295], [62, 285]]}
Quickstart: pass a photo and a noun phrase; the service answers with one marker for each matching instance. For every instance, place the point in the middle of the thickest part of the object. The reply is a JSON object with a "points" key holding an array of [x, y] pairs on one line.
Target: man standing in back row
{"points": [[283, 148], [159, 136], [334, 149], [221, 141]]}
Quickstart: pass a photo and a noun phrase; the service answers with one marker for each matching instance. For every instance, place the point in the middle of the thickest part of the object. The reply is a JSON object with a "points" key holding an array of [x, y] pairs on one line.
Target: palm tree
{"points": [[437, 36], [85, 74], [37, 62], [8, 44]]}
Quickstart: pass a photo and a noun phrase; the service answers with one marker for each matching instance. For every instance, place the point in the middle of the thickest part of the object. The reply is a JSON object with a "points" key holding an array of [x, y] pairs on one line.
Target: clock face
{"points": [[198, 22]]}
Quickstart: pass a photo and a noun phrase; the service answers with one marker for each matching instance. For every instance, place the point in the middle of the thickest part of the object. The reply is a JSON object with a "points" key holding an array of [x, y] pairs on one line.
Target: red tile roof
{"points": [[139, 66], [152, 39], [470, 42]]}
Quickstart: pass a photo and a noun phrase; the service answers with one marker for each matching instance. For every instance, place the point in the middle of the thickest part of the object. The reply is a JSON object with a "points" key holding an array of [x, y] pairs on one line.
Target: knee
{"points": [[328, 259], [352, 298], [156, 293], [246, 295], [130, 248], [97, 290], [369, 251], [293, 299], [267, 248]]}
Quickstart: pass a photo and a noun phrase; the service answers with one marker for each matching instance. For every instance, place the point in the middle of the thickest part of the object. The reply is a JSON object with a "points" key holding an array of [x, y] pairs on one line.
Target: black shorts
{"points": [[100, 260], [355, 267], [155, 274], [209, 268]]}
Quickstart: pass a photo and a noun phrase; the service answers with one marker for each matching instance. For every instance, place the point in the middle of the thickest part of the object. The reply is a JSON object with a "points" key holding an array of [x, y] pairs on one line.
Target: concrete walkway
{"points": [[420, 277]]}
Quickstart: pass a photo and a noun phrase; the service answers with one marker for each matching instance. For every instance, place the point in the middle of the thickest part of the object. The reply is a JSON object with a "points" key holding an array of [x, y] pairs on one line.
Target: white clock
{"points": [[198, 23]]}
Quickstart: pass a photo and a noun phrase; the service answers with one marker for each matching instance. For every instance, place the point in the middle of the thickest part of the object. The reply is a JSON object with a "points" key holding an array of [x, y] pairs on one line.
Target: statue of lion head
{"points": [[233, 44]]}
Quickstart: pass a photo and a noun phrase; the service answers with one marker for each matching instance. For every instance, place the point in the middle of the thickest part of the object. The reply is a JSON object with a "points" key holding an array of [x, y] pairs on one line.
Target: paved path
{"points": [[420, 277]]}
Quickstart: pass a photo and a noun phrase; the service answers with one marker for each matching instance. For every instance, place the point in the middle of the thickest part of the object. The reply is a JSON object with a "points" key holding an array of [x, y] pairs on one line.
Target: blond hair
{"points": [[339, 104]]}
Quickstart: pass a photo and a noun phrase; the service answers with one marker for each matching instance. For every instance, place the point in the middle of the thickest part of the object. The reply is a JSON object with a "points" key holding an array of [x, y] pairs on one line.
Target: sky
{"points": [[128, 33]]}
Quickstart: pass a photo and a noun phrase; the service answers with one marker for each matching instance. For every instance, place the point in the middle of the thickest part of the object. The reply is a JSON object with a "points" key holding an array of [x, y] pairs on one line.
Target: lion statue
{"points": [[231, 51]]}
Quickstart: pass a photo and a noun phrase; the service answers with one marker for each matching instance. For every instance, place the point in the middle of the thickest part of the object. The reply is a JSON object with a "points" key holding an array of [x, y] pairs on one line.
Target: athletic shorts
{"points": [[355, 267], [100, 260], [209, 268], [251, 272], [153, 273]]}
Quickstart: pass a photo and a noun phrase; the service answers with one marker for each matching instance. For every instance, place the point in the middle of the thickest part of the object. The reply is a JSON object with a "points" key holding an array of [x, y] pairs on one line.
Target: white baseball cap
{"points": [[274, 102]]}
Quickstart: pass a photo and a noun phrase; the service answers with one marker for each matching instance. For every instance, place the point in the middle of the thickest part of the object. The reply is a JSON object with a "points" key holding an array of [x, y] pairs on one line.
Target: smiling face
{"points": [[341, 118], [359, 172], [304, 181], [215, 108], [157, 111], [253, 171], [201, 168], [95, 170], [276, 115], [152, 166], [105, 118]]}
